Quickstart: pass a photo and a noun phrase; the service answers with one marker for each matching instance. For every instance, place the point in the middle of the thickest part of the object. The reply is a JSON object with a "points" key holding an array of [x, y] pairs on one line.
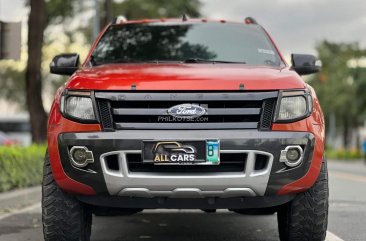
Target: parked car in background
{"points": [[17, 128], [6, 140]]}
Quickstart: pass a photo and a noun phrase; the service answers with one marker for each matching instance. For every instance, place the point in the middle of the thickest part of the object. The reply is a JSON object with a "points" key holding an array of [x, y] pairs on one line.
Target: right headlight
{"points": [[293, 106], [77, 106]]}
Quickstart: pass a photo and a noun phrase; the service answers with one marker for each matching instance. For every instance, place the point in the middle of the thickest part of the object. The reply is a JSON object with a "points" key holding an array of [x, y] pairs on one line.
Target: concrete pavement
{"points": [[18, 199], [346, 218]]}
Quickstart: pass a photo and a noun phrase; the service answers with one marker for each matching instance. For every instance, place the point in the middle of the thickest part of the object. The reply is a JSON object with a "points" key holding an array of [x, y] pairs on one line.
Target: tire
{"points": [[305, 218], [64, 217]]}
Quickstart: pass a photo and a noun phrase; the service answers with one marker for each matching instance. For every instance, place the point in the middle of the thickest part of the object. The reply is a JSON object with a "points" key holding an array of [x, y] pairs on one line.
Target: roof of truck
{"points": [[122, 20]]}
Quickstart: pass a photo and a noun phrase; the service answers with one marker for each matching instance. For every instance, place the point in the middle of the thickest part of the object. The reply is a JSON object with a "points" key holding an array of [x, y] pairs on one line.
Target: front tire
{"points": [[64, 217], [305, 218]]}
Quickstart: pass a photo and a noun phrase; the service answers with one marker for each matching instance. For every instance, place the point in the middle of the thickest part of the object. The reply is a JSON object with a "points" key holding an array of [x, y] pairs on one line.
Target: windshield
{"points": [[186, 42]]}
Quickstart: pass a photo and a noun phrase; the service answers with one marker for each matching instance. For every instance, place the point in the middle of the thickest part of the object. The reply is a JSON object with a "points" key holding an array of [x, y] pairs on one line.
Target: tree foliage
{"points": [[340, 85], [12, 84], [58, 10], [137, 9]]}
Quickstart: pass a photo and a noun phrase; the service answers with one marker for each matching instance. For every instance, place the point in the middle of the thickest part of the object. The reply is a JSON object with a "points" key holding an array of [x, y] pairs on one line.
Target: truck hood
{"points": [[184, 77]]}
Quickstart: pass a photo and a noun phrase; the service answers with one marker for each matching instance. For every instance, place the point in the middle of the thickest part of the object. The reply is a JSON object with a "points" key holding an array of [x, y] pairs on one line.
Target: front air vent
{"points": [[112, 162], [267, 114], [229, 162], [105, 114]]}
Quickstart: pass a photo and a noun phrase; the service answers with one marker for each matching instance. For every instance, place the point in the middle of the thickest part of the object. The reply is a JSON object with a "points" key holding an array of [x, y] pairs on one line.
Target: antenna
{"points": [[119, 19], [185, 17], [250, 20]]}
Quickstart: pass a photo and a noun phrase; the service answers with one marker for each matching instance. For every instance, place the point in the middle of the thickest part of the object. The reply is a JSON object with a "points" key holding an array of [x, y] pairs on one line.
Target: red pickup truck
{"points": [[185, 114]]}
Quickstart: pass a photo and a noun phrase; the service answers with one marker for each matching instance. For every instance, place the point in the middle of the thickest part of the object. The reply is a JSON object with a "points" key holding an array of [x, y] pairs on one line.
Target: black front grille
{"points": [[229, 162], [229, 110]]}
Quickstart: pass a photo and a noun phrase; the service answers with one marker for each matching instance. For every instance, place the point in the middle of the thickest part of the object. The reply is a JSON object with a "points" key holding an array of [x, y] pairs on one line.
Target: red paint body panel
{"points": [[184, 77]]}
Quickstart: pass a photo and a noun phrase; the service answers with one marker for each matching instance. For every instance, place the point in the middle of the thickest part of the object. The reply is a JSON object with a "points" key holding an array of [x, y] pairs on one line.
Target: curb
{"points": [[18, 199]]}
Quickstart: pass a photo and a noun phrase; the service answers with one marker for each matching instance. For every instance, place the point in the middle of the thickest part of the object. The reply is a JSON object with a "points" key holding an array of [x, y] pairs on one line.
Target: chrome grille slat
{"points": [[211, 111], [225, 110]]}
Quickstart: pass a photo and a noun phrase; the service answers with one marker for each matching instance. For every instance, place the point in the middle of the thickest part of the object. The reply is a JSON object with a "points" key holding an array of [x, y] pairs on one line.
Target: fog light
{"points": [[292, 156], [80, 156]]}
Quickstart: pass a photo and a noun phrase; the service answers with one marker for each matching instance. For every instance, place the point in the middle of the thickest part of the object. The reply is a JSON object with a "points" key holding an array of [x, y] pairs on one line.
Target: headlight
{"points": [[77, 107], [294, 106]]}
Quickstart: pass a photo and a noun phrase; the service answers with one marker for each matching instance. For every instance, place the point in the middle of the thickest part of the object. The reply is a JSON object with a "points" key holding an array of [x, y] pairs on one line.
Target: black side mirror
{"points": [[65, 64], [305, 64]]}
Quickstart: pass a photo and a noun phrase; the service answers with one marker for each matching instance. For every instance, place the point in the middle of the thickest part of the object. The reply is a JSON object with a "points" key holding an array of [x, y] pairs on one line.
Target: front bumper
{"points": [[250, 183], [187, 203]]}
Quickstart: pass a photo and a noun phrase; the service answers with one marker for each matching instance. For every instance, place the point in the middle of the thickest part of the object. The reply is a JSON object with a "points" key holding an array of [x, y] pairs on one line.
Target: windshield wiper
{"points": [[94, 62], [128, 61], [197, 60]]}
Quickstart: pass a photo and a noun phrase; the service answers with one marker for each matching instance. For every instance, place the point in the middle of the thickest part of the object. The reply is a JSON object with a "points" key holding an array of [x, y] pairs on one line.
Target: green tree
{"points": [[339, 86], [138, 9]]}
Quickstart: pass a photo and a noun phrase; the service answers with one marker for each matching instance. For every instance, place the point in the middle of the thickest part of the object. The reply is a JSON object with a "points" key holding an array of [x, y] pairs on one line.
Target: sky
{"points": [[296, 25]]}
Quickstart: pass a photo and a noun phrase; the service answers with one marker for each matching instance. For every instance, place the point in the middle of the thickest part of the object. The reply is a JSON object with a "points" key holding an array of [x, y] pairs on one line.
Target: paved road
{"points": [[346, 219]]}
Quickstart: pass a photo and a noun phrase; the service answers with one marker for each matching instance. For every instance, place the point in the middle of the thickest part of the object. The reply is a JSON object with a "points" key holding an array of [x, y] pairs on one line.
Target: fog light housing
{"points": [[80, 156], [292, 156]]}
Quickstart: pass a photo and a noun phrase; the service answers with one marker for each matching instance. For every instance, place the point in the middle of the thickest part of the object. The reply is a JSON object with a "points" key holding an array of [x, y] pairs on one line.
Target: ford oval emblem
{"points": [[189, 111]]}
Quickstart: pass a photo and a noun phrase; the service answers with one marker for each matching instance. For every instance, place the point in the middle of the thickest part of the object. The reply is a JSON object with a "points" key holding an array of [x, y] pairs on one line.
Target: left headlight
{"points": [[294, 106], [77, 107]]}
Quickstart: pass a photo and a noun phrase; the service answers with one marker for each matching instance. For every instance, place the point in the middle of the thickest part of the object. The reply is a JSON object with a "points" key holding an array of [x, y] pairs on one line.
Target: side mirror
{"points": [[305, 64], [65, 64]]}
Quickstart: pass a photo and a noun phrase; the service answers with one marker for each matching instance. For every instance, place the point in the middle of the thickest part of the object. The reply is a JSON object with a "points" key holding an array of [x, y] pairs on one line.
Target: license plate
{"points": [[189, 152]]}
